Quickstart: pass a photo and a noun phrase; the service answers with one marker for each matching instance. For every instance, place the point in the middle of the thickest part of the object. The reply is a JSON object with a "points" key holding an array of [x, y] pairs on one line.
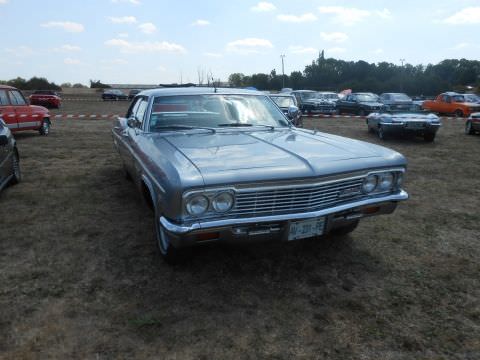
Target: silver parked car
{"points": [[9, 159], [227, 165], [389, 123]]}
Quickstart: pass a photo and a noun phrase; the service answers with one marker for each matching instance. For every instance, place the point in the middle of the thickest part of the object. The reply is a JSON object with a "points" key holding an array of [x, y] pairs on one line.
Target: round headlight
{"points": [[399, 180], [386, 181], [222, 202], [197, 205], [369, 184]]}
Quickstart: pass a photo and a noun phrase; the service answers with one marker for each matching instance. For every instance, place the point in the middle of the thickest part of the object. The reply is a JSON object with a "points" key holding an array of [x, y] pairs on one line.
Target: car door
{"points": [[350, 103], [23, 112], [7, 111], [133, 134]]}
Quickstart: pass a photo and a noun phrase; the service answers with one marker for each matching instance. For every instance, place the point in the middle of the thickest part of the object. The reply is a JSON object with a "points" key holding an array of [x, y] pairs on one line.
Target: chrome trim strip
{"points": [[184, 229]]}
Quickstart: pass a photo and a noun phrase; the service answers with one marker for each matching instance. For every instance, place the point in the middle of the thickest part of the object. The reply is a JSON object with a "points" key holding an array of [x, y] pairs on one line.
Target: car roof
{"points": [[198, 91], [450, 93], [394, 93], [281, 95], [7, 87], [299, 91], [327, 92]]}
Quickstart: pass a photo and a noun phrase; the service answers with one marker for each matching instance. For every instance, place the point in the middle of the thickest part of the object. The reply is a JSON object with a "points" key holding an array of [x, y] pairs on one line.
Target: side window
{"points": [[4, 98], [142, 108], [133, 108], [447, 99], [16, 98]]}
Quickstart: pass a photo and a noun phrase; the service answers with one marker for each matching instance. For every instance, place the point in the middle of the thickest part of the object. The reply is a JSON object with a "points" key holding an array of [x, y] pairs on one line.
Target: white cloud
{"points": [[201, 22], [460, 46], [145, 47], [133, 2], [336, 50], [20, 51], [161, 68], [337, 37], [248, 45], [123, 19], [343, 15], [384, 14], [70, 61], [65, 25], [67, 48], [302, 50], [378, 51], [147, 28], [263, 6], [123, 35], [115, 62], [307, 17], [3, 2], [467, 16], [213, 55]]}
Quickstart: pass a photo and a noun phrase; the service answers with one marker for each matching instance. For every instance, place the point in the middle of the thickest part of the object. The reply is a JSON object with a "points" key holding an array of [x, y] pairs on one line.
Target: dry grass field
{"points": [[80, 278]]}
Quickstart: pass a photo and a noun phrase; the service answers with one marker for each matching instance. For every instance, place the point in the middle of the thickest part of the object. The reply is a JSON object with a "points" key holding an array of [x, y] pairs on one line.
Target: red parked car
{"points": [[46, 98], [19, 115]]}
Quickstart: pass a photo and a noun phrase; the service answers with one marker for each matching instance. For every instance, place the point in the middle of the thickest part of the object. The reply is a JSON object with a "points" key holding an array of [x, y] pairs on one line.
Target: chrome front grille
{"points": [[297, 198]]}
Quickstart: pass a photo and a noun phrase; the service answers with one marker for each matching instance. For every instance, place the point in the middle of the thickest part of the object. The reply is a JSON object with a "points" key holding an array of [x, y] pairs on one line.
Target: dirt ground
{"points": [[80, 278]]}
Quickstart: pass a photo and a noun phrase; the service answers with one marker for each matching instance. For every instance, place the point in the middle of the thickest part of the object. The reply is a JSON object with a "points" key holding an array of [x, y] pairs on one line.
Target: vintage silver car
{"points": [[227, 165], [472, 125], [389, 123]]}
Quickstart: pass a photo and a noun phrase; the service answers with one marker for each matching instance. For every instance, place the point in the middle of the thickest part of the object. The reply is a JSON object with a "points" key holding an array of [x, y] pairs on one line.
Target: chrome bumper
{"points": [[403, 126], [226, 223]]}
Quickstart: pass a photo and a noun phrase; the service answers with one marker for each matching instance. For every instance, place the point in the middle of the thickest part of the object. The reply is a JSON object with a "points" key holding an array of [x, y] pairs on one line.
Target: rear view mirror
{"points": [[292, 112], [3, 140], [133, 122]]}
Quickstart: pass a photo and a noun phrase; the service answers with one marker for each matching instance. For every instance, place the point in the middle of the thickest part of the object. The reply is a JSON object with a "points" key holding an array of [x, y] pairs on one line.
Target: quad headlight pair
{"points": [[199, 204], [382, 181]]}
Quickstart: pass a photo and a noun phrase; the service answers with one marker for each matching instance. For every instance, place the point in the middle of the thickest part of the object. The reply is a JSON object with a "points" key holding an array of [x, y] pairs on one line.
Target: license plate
{"points": [[306, 228], [415, 125]]}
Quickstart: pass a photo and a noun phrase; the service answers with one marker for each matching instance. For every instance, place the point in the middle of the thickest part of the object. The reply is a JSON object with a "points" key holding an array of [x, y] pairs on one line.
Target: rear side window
{"points": [[16, 98], [3, 98]]}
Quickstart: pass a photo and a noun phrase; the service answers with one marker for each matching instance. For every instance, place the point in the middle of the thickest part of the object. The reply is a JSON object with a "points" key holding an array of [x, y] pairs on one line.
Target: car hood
{"points": [[252, 156]]}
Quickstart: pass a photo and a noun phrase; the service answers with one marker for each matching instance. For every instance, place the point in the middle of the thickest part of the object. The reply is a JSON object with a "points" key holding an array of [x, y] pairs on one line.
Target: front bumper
{"points": [[253, 228], [419, 126]]}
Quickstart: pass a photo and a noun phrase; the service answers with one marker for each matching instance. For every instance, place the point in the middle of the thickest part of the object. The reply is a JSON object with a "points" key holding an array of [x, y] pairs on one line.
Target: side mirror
{"points": [[133, 122], [292, 112], [3, 140]]}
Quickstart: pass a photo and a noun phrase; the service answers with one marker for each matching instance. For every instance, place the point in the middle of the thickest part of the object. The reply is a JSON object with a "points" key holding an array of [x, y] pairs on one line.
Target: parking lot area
{"points": [[80, 276]]}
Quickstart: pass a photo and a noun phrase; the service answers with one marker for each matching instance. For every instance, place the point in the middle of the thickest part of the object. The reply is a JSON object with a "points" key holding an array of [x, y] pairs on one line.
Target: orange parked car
{"points": [[451, 103]]}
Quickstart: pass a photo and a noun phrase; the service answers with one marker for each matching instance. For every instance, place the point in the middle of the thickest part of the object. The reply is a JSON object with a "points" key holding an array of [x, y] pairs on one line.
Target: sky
{"points": [[152, 42]]}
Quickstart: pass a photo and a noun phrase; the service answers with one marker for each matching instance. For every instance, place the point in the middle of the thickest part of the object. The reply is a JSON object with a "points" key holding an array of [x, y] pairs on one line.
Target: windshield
{"points": [[283, 101], [307, 95], [218, 110], [366, 97], [471, 98], [327, 96], [400, 97]]}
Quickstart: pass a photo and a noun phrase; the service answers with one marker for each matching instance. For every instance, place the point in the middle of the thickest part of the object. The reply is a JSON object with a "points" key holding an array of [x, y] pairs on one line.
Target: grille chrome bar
{"points": [[296, 199]]}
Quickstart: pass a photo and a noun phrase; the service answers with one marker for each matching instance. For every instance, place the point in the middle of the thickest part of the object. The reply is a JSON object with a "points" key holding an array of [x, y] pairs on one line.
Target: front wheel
{"points": [[17, 174], [361, 112], [458, 113], [169, 253], [45, 129], [469, 128], [381, 133]]}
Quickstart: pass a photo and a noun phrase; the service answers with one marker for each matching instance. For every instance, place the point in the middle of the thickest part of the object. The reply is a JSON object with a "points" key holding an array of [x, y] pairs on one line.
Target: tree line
{"points": [[336, 75]]}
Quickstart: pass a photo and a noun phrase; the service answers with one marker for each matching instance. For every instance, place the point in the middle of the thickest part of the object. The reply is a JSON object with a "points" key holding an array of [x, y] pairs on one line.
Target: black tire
{"points": [[469, 128], [45, 129], [361, 112], [458, 113], [381, 133], [429, 137], [168, 252], [344, 230], [17, 174]]}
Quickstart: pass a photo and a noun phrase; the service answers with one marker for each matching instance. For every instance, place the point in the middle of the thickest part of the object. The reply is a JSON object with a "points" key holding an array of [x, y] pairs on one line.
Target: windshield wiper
{"points": [[245, 125], [183, 127]]}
